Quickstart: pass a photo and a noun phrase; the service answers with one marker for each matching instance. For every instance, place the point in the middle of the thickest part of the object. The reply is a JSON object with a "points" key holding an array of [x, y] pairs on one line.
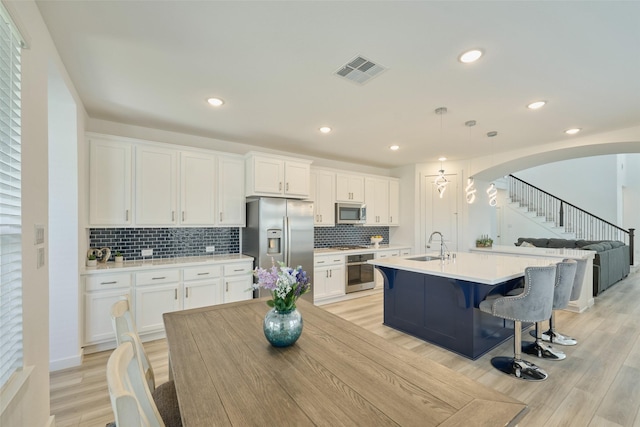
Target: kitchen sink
{"points": [[423, 258]]}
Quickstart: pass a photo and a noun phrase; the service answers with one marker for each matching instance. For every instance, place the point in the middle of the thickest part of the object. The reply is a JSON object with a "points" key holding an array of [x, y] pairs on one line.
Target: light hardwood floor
{"points": [[598, 385]]}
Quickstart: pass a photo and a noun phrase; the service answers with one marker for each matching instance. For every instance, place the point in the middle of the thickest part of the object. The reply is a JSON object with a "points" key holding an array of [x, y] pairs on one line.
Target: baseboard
{"points": [[51, 422], [68, 362]]}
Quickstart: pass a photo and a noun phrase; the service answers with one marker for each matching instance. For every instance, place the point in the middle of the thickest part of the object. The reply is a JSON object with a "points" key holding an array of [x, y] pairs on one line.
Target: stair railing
{"points": [[583, 224]]}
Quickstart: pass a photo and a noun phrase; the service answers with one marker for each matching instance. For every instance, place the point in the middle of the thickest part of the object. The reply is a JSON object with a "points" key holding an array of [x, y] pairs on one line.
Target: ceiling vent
{"points": [[360, 70]]}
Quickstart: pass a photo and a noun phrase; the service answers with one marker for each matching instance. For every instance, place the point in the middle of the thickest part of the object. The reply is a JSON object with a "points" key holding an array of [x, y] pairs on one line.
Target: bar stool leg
{"points": [[516, 366], [541, 349], [555, 337]]}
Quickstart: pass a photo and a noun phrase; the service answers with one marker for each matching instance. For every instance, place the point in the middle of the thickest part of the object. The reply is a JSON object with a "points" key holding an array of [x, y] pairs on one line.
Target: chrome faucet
{"points": [[442, 246]]}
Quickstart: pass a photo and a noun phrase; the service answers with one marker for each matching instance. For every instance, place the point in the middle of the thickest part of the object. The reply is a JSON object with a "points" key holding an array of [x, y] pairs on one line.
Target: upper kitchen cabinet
{"points": [[198, 189], [231, 202], [349, 188], [323, 197], [156, 186], [382, 197], [110, 182], [277, 176]]}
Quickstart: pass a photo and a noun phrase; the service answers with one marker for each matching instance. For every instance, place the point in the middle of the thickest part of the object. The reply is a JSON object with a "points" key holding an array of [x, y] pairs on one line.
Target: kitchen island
{"points": [[437, 300]]}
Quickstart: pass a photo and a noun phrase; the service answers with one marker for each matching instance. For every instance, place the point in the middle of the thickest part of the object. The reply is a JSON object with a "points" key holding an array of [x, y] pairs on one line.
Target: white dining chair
{"points": [[123, 322], [131, 399]]}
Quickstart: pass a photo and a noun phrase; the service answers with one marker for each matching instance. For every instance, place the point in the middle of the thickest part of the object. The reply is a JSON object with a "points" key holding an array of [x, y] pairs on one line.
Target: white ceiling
{"points": [[154, 63]]}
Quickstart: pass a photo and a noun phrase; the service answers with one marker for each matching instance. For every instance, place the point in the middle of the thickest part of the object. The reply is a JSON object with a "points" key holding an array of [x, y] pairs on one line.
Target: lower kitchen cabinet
{"points": [[328, 277], [238, 281], [100, 293], [383, 254], [202, 286], [151, 302]]}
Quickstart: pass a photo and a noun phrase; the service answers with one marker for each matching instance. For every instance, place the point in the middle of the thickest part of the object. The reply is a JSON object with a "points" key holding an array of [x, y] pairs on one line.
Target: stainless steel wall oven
{"points": [[359, 273]]}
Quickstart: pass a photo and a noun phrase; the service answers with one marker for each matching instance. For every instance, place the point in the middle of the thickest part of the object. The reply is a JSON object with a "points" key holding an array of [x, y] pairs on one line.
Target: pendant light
{"points": [[441, 182], [470, 189], [492, 192]]}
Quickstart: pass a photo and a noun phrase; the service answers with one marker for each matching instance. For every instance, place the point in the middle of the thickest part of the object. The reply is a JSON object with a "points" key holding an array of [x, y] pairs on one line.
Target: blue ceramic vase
{"points": [[282, 329]]}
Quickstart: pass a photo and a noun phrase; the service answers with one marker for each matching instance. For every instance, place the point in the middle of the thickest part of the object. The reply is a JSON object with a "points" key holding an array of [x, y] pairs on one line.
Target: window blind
{"points": [[10, 201]]}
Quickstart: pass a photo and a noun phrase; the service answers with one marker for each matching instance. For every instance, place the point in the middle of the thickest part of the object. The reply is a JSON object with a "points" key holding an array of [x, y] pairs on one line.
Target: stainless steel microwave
{"points": [[351, 213]]}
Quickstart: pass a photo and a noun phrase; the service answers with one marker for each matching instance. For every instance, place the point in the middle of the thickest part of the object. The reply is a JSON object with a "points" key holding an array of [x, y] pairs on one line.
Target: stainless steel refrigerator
{"points": [[280, 230]]}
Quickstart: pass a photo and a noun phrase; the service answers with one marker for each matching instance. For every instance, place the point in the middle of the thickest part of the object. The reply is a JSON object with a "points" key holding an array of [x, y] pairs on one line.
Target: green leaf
{"points": [[270, 303]]}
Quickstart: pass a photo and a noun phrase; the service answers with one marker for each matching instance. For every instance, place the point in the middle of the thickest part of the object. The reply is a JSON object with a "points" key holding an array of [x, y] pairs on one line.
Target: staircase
{"points": [[563, 218]]}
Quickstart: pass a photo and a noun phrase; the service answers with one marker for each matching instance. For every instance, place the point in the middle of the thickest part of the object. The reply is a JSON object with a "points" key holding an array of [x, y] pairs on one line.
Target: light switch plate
{"points": [[38, 231], [147, 252], [40, 261], [210, 249]]}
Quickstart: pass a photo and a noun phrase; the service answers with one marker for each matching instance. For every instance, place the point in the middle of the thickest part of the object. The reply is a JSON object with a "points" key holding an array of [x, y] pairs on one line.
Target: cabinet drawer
{"points": [[387, 254], [238, 269], [157, 277], [199, 273], [107, 281], [321, 261]]}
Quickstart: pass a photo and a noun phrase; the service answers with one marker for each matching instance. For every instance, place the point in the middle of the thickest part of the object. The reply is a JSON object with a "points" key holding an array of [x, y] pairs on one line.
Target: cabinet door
{"points": [[319, 286], [156, 186], [97, 315], [202, 293], [110, 182], [231, 200], [151, 302], [238, 288], [336, 282], [268, 176], [377, 200], [197, 189], [296, 179], [323, 196], [349, 188], [394, 202]]}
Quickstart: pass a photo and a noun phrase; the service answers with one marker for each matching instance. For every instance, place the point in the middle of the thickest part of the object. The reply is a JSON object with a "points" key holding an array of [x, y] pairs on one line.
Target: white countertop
{"points": [[536, 252], [473, 267], [128, 266], [368, 249]]}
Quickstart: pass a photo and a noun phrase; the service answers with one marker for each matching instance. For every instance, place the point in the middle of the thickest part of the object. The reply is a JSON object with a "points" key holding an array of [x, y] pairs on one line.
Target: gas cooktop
{"points": [[349, 247]]}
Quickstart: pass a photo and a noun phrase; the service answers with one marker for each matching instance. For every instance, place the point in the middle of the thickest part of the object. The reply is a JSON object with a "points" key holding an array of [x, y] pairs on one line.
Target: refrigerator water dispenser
{"points": [[274, 240]]}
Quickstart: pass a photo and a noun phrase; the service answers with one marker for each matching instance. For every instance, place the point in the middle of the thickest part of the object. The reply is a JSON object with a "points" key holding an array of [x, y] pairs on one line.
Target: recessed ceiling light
{"points": [[216, 102], [394, 147], [536, 105], [470, 56], [325, 129], [442, 159], [572, 131], [492, 133]]}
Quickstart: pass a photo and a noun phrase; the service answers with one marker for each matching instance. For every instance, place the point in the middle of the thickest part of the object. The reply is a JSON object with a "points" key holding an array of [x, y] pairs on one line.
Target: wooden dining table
{"points": [[336, 374]]}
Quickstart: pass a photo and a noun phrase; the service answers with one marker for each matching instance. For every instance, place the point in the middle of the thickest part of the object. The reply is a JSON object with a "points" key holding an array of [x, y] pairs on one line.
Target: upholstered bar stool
{"points": [[534, 304], [551, 335], [565, 275]]}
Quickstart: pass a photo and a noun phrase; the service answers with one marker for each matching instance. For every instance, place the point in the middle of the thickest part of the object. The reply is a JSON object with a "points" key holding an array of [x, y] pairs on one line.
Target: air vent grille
{"points": [[360, 70]]}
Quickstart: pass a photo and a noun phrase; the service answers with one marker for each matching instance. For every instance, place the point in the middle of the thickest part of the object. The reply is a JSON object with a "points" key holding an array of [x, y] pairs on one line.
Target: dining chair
{"points": [[131, 399], [534, 304], [123, 322]]}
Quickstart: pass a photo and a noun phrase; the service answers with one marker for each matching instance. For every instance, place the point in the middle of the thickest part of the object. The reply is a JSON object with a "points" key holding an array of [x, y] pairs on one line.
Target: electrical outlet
{"points": [[147, 252], [210, 249]]}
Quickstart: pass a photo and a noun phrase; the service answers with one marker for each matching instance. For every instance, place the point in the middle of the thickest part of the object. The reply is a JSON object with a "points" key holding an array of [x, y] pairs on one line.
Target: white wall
{"points": [[31, 405], [629, 165]]}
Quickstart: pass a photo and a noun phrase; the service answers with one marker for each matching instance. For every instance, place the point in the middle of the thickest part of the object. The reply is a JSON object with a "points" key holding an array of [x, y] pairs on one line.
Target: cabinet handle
{"points": [[158, 278], [220, 216], [287, 187], [326, 273], [280, 186], [239, 269], [186, 291], [182, 216], [227, 289], [109, 283], [176, 293], [173, 215], [202, 274], [390, 219], [126, 215], [320, 218], [330, 273], [320, 262]]}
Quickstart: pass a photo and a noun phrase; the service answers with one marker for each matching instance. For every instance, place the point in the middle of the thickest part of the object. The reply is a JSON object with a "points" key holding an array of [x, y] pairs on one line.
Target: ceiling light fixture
{"points": [[394, 147], [325, 129], [470, 56], [440, 181], [470, 191], [492, 192], [536, 105], [216, 102], [572, 131]]}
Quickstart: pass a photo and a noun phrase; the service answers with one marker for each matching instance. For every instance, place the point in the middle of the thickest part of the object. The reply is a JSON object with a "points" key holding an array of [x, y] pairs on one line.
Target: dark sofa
{"points": [[611, 263]]}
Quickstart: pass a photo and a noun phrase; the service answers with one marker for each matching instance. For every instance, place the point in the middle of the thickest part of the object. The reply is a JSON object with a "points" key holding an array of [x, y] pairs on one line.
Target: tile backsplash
{"points": [[166, 242], [346, 234]]}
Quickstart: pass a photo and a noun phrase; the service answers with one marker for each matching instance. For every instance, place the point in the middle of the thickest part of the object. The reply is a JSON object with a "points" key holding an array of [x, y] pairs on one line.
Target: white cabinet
{"points": [[405, 252], [156, 186], [156, 292], [394, 202], [328, 277], [202, 286], [349, 188], [238, 281], [323, 197], [377, 201], [277, 176], [384, 254], [231, 201], [100, 293], [198, 188], [110, 185]]}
